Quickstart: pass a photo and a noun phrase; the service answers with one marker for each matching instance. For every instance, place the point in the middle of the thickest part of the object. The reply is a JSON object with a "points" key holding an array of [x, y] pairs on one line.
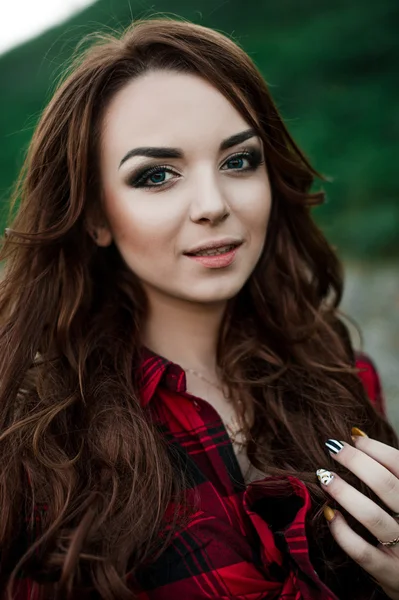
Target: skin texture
{"points": [[376, 464], [206, 199]]}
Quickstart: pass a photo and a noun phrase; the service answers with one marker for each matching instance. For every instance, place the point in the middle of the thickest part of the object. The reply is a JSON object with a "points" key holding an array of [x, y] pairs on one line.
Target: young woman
{"points": [[173, 361]]}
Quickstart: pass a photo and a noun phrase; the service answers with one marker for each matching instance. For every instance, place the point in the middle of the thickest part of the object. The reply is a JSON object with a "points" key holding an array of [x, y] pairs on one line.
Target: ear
{"points": [[98, 228], [101, 234]]}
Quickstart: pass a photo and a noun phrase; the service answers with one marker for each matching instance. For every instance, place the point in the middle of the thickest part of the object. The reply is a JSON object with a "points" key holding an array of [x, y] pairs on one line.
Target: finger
{"points": [[363, 509], [385, 455], [378, 478], [378, 564]]}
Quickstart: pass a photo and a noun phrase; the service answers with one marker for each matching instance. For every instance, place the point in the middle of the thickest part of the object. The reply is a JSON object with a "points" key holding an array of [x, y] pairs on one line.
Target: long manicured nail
{"points": [[325, 477], [334, 446], [329, 513], [358, 432]]}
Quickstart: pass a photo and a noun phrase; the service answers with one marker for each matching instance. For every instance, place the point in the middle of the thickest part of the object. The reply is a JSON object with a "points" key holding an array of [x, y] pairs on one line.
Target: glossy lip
{"points": [[214, 244], [218, 261]]}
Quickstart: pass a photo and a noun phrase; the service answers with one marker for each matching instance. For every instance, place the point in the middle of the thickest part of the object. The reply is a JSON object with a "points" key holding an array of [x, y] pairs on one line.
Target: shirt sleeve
{"points": [[371, 381]]}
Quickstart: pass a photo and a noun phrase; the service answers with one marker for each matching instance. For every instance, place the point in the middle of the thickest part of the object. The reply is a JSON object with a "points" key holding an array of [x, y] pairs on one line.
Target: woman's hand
{"points": [[378, 466]]}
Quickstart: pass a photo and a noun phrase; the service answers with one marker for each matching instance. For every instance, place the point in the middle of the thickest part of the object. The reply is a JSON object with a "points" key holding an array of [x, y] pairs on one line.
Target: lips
{"points": [[214, 248], [218, 260], [214, 251]]}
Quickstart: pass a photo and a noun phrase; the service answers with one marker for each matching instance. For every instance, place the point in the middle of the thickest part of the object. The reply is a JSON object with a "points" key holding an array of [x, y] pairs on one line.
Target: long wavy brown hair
{"points": [[74, 439]]}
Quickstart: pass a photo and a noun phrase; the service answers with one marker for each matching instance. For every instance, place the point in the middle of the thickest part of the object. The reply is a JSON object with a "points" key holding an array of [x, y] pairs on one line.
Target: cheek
{"points": [[143, 229], [255, 212]]}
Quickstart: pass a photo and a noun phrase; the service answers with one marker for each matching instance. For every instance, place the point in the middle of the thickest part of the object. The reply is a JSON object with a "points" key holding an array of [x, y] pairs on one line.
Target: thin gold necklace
{"points": [[231, 430], [201, 376]]}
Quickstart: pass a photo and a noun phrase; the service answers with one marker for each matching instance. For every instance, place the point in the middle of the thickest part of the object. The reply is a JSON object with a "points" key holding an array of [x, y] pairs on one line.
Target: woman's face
{"points": [[202, 189]]}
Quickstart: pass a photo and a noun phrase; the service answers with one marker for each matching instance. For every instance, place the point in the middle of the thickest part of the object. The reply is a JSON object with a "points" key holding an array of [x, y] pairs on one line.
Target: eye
{"points": [[238, 160], [154, 174], [253, 156]]}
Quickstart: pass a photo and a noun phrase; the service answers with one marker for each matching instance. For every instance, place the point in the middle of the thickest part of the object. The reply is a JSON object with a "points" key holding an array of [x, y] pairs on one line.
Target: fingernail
{"points": [[355, 431], [325, 477], [334, 446], [329, 513]]}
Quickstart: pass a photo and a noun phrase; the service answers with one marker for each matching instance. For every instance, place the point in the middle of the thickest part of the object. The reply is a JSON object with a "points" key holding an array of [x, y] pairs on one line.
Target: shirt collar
{"points": [[156, 370]]}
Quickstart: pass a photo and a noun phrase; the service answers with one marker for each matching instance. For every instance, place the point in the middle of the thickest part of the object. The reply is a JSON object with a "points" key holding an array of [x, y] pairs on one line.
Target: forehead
{"points": [[169, 108]]}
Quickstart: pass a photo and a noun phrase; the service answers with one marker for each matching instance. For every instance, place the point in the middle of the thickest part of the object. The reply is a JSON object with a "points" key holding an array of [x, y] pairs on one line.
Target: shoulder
{"points": [[369, 376]]}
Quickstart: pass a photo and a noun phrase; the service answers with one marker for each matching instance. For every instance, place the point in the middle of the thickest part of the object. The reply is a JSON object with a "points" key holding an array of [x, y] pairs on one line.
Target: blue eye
{"points": [[236, 159], [156, 176], [253, 156]]}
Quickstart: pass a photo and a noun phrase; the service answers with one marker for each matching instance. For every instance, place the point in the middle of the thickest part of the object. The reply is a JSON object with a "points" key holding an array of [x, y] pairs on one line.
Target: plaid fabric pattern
{"points": [[245, 542]]}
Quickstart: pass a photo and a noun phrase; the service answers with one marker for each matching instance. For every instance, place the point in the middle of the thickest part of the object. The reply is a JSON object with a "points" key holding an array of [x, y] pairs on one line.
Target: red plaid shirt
{"points": [[245, 542]]}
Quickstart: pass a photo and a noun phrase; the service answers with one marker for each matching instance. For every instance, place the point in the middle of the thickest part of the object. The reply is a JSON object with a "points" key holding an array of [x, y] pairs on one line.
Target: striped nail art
{"points": [[325, 477], [334, 446]]}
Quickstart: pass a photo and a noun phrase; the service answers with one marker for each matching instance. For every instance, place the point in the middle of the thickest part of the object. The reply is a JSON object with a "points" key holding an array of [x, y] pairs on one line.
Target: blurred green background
{"points": [[332, 68]]}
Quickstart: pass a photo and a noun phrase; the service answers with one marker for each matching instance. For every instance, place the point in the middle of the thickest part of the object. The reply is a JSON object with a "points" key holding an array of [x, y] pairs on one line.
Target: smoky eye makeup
{"points": [[138, 177]]}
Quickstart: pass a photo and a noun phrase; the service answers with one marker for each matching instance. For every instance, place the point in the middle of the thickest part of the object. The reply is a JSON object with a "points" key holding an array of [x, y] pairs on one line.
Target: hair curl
{"points": [[74, 436]]}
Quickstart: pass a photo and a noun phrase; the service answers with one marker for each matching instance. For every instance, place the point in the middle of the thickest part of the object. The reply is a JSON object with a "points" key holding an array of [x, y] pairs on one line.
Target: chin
{"points": [[211, 294]]}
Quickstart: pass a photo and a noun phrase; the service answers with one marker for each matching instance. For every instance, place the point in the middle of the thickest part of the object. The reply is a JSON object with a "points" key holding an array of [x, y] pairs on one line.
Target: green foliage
{"points": [[332, 68]]}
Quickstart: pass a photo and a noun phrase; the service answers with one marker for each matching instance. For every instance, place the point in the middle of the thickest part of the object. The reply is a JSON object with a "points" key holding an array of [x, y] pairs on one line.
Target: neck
{"points": [[184, 332]]}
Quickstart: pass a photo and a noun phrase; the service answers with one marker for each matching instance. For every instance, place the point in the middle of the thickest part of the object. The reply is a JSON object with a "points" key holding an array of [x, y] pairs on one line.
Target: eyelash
{"points": [[253, 155]]}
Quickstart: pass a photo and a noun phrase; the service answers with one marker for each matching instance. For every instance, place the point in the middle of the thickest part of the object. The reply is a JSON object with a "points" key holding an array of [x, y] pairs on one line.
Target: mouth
{"points": [[215, 258], [214, 251]]}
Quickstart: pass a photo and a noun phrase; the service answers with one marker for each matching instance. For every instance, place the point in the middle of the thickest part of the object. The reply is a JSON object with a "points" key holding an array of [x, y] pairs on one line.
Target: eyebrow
{"points": [[166, 152]]}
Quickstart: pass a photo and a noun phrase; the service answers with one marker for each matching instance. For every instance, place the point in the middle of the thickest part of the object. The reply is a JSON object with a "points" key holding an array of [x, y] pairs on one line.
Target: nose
{"points": [[209, 204]]}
